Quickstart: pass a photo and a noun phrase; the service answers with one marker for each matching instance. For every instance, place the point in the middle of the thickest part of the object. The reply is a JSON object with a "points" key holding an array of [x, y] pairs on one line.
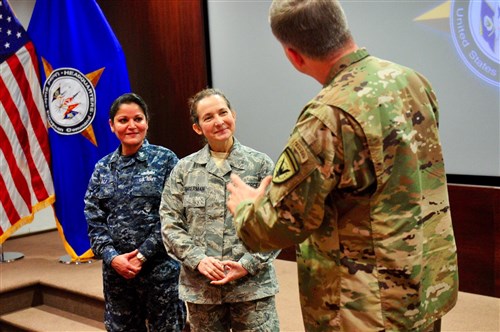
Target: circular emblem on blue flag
{"points": [[70, 101], [475, 28]]}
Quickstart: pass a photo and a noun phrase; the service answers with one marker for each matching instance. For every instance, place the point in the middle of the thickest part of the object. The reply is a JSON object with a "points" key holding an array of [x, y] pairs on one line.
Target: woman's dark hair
{"points": [[128, 98]]}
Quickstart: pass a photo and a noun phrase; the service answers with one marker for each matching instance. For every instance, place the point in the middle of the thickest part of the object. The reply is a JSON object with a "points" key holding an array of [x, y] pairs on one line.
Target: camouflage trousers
{"points": [[148, 303], [256, 316]]}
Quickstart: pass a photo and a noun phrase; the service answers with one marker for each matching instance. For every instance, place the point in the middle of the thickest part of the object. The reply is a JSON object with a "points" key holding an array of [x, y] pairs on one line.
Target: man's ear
{"points": [[295, 57], [197, 129]]}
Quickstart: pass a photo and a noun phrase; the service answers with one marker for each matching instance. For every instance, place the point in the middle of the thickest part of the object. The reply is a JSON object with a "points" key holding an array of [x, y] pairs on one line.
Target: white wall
{"points": [[22, 9]]}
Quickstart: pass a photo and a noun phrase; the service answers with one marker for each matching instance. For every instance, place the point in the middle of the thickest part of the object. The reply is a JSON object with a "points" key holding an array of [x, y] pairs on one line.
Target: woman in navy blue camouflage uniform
{"points": [[121, 206]]}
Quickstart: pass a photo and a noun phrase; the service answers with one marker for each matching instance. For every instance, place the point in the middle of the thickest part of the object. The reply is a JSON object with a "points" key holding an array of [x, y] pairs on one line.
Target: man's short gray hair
{"points": [[315, 28]]}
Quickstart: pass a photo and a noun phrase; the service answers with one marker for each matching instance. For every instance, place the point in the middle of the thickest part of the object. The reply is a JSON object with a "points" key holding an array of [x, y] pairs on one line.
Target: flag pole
{"points": [[7, 257]]}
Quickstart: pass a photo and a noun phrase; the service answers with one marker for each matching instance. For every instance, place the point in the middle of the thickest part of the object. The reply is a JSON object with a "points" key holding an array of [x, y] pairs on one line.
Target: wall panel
{"points": [[165, 47], [476, 221]]}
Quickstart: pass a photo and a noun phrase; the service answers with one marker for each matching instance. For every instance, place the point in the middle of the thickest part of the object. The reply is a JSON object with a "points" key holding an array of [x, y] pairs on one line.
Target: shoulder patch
{"points": [[300, 150], [286, 167]]}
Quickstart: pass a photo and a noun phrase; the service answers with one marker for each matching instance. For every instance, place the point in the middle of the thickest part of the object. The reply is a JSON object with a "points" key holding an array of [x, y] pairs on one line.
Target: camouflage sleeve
{"points": [[293, 207], [309, 168], [153, 242], [254, 262], [176, 237], [100, 239]]}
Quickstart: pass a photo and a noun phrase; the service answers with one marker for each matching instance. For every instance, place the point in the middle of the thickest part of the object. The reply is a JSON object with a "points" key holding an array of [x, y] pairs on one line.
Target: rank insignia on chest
{"points": [[286, 167]]}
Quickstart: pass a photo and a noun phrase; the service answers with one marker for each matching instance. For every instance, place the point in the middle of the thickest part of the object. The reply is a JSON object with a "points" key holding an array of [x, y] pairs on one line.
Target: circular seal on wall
{"points": [[475, 28], [70, 101]]}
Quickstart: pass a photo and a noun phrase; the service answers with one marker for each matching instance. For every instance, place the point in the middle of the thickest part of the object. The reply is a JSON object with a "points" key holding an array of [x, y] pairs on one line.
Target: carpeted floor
{"points": [[41, 264]]}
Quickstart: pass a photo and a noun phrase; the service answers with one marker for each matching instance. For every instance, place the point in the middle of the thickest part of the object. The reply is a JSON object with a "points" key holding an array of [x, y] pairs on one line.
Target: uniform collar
{"points": [[235, 157], [345, 62], [140, 155]]}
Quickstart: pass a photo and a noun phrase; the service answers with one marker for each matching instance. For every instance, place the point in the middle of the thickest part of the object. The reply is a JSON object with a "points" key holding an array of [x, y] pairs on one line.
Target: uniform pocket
{"points": [[193, 201], [194, 207], [147, 185], [106, 190]]}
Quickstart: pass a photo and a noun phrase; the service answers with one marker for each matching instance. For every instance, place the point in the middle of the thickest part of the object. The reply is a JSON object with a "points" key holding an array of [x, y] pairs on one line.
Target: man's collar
{"points": [[345, 62]]}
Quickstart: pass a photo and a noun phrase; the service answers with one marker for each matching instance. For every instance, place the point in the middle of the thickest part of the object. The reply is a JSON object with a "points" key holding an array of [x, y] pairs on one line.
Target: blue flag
{"points": [[84, 70]]}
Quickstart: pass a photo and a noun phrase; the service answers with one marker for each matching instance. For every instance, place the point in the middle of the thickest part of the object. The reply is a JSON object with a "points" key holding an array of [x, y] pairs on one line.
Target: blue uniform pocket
{"points": [[147, 185]]}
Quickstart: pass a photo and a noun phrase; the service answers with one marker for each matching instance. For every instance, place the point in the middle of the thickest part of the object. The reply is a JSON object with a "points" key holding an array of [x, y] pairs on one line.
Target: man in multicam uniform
{"points": [[122, 210], [226, 287], [360, 186]]}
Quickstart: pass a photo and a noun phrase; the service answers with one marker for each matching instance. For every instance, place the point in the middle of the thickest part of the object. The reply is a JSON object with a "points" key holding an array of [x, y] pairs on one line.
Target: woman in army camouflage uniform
{"points": [[224, 285], [121, 207]]}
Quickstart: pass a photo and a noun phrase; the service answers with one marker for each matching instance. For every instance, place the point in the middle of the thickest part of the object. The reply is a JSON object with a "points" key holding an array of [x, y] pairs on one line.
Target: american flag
{"points": [[25, 179]]}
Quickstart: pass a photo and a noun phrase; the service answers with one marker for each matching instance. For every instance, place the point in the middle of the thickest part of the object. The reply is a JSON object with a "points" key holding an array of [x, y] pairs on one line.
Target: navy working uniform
{"points": [[121, 207], [197, 224]]}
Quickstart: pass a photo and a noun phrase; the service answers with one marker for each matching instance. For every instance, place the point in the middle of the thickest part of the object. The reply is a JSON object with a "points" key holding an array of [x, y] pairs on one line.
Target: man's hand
{"points": [[240, 191]]}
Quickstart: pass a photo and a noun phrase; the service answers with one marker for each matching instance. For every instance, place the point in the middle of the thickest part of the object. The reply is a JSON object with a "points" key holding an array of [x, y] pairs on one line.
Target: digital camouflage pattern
{"points": [[361, 186], [153, 293], [256, 316], [122, 210], [197, 224]]}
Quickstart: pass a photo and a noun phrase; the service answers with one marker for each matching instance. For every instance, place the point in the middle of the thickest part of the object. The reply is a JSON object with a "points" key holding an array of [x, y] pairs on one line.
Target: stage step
{"points": [[47, 318], [42, 307]]}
